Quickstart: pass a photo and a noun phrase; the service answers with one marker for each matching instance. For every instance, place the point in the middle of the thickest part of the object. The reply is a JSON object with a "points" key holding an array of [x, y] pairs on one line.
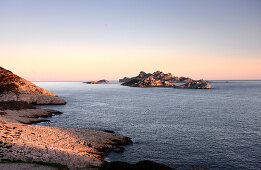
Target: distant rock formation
{"points": [[125, 79], [158, 75], [97, 82], [15, 88], [200, 84], [159, 79]]}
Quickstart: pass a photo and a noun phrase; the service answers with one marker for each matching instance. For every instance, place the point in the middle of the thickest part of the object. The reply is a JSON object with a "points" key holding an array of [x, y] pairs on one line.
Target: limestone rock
{"points": [[73, 147], [15, 88]]}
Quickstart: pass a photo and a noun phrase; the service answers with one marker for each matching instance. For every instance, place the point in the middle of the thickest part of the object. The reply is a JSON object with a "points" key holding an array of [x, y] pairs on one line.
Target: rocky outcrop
{"points": [[15, 88], [158, 75], [22, 112], [97, 82], [159, 79], [73, 147], [125, 79], [142, 165], [200, 84]]}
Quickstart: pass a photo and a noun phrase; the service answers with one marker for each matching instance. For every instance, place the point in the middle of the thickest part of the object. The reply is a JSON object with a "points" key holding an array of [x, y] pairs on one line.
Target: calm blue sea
{"points": [[218, 128]]}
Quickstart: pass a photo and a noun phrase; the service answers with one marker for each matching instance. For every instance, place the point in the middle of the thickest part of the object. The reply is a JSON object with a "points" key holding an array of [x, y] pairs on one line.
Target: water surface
{"points": [[218, 128]]}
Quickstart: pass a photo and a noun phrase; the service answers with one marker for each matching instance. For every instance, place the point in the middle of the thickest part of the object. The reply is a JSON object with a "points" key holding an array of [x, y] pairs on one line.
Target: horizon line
{"points": [[118, 80]]}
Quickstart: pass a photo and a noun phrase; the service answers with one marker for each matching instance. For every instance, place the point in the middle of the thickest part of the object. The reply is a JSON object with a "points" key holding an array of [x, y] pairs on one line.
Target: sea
{"points": [[218, 128]]}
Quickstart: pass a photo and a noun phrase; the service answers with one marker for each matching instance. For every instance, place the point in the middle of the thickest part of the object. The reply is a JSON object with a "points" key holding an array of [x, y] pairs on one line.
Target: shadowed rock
{"points": [[22, 112], [201, 84], [15, 88], [142, 165]]}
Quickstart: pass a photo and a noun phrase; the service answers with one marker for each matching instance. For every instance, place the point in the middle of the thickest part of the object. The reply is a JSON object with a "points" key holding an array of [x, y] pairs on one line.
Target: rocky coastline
{"points": [[15, 88], [159, 79], [21, 141]]}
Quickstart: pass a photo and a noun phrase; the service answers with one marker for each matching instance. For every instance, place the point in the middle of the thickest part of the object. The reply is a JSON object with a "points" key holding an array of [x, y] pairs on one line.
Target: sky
{"points": [[82, 40]]}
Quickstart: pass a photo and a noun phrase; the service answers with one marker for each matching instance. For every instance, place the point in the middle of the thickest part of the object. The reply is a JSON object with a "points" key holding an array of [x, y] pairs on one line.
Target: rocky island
{"points": [[159, 79], [19, 141], [97, 82]]}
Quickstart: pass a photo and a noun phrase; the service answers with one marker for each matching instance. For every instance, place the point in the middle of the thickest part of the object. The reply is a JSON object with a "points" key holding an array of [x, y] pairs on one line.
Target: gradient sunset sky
{"points": [[97, 39]]}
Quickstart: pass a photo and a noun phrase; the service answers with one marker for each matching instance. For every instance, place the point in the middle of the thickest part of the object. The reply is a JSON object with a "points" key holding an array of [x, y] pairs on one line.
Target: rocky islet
{"points": [[159, 79], [97, 82]]}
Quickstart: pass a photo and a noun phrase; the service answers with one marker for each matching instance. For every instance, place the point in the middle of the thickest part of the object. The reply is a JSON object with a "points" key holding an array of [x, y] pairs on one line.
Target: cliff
{"points": [[15, 88]]}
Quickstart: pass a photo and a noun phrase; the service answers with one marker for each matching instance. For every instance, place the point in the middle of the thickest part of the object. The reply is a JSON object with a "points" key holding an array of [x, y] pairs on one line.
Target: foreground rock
{"points": [[142, 165], [22, 112], [97, 82], [15, 88], [75, 148], [159, 79], [25, 166]]}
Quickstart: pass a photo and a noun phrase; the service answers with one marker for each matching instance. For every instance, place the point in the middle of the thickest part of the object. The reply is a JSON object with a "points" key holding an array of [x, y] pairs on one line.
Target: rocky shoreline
{"points": [[75, 148], [20, 141], [23, 143]]}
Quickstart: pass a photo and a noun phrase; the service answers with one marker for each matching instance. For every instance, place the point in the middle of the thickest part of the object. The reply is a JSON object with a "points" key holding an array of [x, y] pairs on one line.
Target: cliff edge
{"points": [[15, 88]]}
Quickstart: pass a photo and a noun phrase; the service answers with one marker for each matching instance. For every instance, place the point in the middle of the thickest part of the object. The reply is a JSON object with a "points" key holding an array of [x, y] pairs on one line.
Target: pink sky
{"points": [[91, 40], [80, 63]]}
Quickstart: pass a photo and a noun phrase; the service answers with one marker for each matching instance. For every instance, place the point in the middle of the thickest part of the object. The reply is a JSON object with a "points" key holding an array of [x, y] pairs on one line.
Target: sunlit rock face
{"points": [[73, 147], [159, 79], [15, 88], [158, 75]]}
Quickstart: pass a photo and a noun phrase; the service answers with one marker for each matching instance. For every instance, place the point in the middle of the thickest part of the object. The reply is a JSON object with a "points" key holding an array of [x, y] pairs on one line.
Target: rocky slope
{"points": [[159, 79], [75, 148], [15, 88]]}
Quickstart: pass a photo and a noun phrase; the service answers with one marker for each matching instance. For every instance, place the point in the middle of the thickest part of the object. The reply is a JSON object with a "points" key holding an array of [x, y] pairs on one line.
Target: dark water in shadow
{"points": [[218, 128]]}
